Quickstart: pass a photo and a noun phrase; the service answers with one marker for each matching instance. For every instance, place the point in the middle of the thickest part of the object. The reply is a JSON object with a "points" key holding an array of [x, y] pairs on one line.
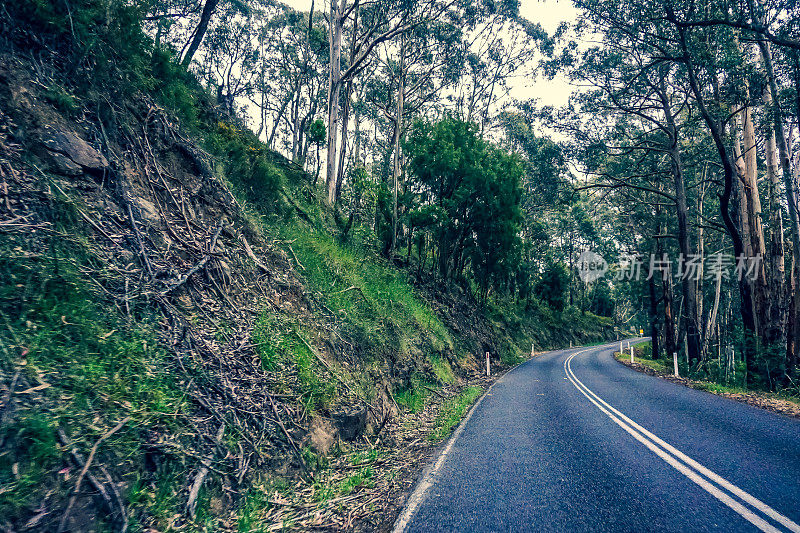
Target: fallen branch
{"points": [[436, 392], [295, 257], [351, 288], [198, 266], [252, 255], [300, 211], [285, 431], [138, 238], [336, 375], [62, 525], [120, 502], [205, 464], [98, 228]]}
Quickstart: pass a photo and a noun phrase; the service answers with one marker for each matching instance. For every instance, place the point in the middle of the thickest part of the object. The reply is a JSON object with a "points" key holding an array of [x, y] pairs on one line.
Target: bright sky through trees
{"points": [[548, 13]]}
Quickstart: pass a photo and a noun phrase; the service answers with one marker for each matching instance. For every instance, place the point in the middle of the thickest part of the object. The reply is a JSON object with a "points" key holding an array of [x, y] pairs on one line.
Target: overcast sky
{"points": [[548, 13]]}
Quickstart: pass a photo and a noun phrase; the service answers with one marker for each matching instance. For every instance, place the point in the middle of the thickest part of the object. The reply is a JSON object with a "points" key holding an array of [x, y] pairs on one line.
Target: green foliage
{"points": [[316, 132], [382, 312], [249, 165], [602, 299], [552, 286], [413, 395], [327, 488], [280, 344], [442, 369], [254, 504], [100, 42], [62, 99], [178, 90], [363, 478], [476, 190], [451, 413], [96, 367]]}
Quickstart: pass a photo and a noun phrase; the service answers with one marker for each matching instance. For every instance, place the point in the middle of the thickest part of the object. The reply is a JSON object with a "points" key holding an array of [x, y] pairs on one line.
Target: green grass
{"points": [[697, 380], [376, 299], [412, 398], [442, 369], [94, 367], [279, 343], [327, 488], [452, 411]]}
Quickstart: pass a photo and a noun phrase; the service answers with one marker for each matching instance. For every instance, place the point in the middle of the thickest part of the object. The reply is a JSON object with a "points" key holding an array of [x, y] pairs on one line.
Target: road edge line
{"points": [[426, 482]]}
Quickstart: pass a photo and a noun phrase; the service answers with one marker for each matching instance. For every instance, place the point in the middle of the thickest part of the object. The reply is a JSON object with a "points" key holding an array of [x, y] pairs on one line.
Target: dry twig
{"points": [[205, 464], [62, 525]]}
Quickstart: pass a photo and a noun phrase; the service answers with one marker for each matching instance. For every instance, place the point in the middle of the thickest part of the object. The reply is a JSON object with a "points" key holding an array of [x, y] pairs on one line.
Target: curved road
{"points": [[574, 441]]}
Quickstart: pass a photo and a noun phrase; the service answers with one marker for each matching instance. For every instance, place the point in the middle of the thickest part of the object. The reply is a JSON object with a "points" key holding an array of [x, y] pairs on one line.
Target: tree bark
{"points": [[687, 285], [199, 33], [334, 91], [397, 135], [783, 155], [716, 130], [774, 330], [728, 175]]}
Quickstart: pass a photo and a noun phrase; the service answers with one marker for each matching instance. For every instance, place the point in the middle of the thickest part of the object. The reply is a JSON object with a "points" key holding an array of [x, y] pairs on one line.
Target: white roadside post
{"points": [[533, 351], [675, 363], [488, 369], [620, 347], [631, 354]]}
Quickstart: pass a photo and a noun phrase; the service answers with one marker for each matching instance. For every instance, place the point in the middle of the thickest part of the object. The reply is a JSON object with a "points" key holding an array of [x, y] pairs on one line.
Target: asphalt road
{"points": [[574, 441]]}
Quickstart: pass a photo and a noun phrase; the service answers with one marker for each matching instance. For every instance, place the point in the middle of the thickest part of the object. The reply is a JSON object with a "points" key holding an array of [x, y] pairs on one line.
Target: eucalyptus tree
{"points": [[290, 93], [500, 47], [165, 20], [410, 79], [371, 24], [230, 53], [547, 191], [633, 83], [694, 59], [468, 193]]}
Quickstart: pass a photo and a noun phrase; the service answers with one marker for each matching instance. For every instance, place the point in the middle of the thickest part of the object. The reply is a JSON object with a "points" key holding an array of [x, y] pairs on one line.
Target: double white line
{"points": [[737, 499]]}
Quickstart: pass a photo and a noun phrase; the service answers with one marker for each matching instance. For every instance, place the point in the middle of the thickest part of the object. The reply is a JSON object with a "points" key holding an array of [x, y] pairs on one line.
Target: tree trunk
{"points": [[334, 91], [788, 178], [774, 330], [669, 317], [343, 148], [792, 333], [688, 285], [346, 113], [398, 133], [197, 37], [701, 252], [748, 321]]}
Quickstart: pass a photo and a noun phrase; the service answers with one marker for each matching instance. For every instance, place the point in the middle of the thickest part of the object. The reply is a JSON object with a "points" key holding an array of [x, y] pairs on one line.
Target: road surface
{"points": [[573, 441]]}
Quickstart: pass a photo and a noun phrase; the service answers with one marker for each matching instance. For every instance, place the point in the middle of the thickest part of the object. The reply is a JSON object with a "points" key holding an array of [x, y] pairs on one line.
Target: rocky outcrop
{"points": [[70, 154]]}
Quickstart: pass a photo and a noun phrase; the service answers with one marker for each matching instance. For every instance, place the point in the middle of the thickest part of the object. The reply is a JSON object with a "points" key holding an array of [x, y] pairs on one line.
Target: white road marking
{"points": [[689, 467], [419, 494]]}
